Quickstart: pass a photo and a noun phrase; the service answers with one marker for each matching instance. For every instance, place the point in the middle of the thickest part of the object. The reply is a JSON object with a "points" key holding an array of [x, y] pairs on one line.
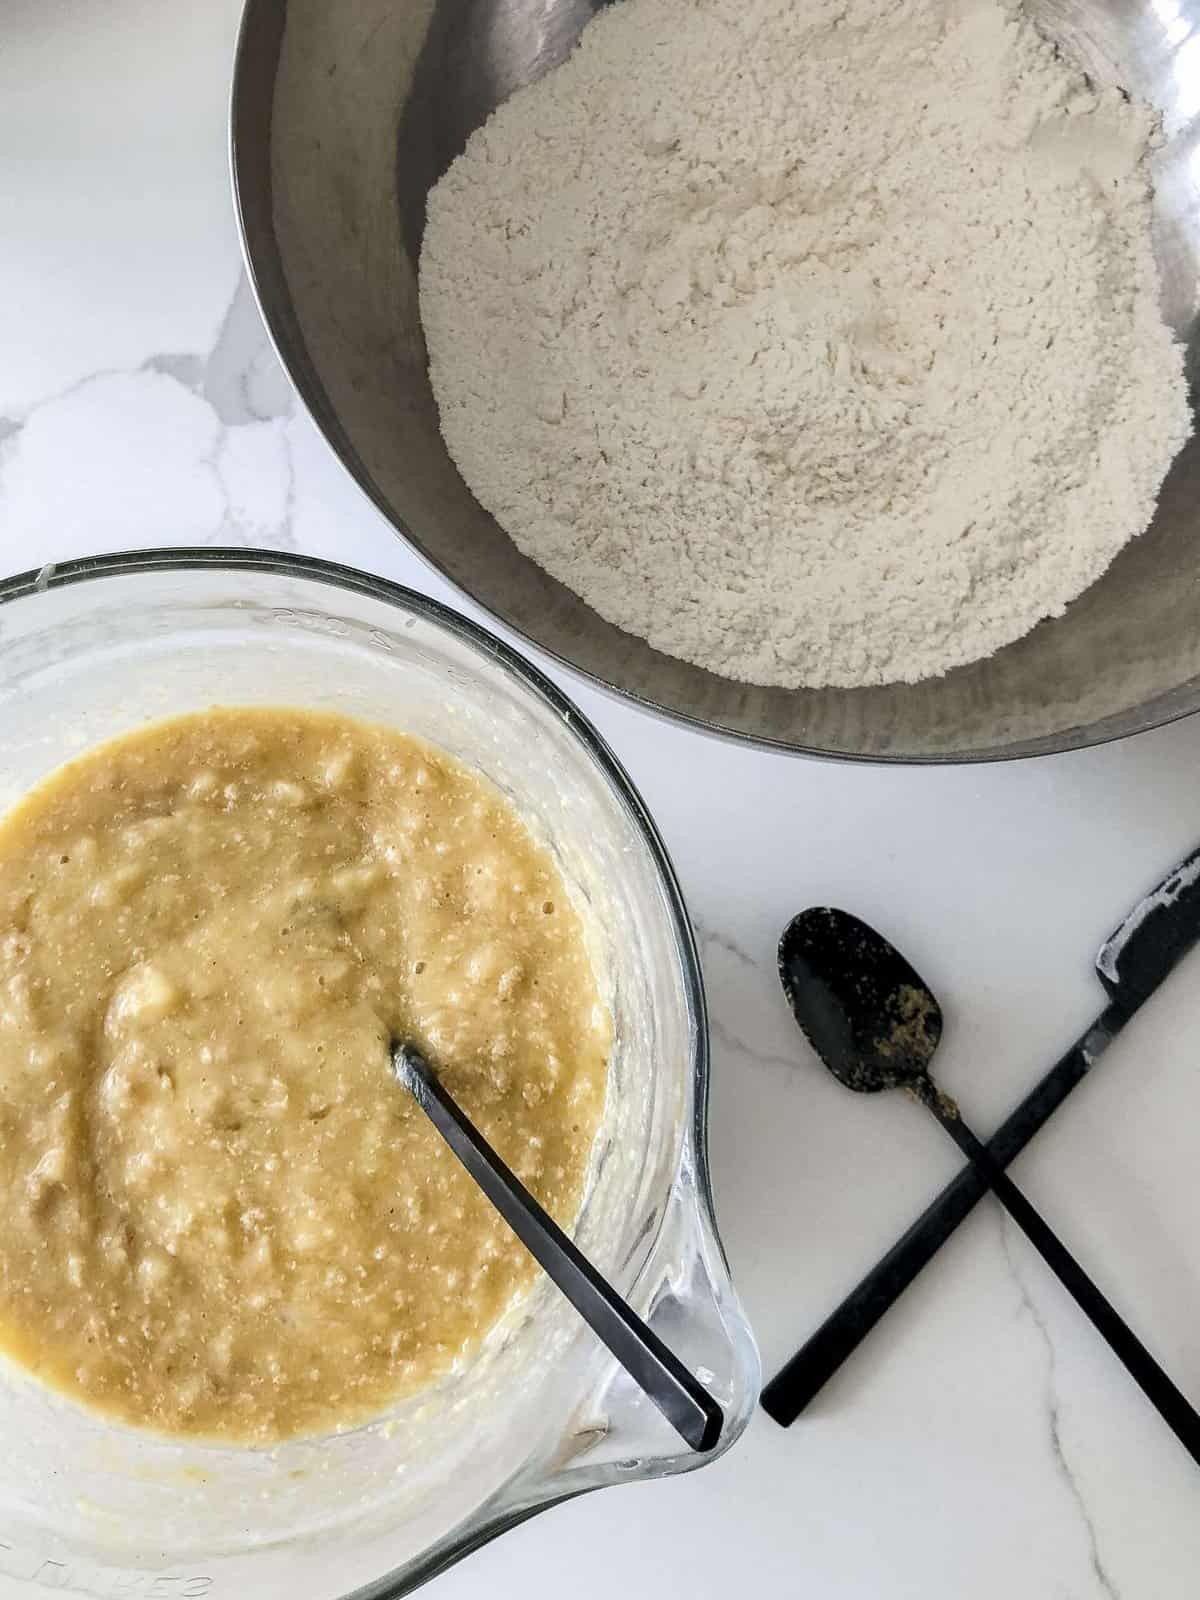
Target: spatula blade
{"points": [[1154, 938]]}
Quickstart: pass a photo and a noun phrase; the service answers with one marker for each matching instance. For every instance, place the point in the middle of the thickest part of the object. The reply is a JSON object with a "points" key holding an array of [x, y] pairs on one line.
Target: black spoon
{"points": [[875, 1024], [681, 1398]]}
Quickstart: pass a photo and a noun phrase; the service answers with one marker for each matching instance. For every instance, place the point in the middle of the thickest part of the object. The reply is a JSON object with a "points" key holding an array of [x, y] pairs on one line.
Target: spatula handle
{"points": [[795, 1385]]}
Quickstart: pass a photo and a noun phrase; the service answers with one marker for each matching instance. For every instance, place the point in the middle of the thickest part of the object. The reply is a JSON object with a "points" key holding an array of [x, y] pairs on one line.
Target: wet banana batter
{"points": [[219, 1214]]}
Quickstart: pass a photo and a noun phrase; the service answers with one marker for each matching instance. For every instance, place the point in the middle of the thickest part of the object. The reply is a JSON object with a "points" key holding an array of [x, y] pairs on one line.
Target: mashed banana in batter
{"points": [[219, 1213]]}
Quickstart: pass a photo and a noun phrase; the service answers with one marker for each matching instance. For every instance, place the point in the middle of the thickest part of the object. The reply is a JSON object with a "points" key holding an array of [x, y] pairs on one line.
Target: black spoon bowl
{"points": [[870, 1016], [875, 1025]]}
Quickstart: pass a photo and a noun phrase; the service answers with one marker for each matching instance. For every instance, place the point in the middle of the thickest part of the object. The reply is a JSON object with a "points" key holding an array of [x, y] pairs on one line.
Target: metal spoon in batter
{"points": [[876, 1025], [681, 1398]]}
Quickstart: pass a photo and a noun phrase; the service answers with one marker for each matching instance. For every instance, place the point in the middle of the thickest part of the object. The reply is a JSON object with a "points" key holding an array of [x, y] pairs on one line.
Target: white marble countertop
{"points": [[984, 1443]]}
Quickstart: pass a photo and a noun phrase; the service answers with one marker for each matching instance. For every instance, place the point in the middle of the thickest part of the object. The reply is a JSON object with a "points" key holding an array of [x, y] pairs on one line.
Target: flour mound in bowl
{"points": [[816, 345]]}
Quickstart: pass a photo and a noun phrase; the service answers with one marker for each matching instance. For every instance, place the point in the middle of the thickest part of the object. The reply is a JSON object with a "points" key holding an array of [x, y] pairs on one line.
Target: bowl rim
{"points": [[251, 108]]}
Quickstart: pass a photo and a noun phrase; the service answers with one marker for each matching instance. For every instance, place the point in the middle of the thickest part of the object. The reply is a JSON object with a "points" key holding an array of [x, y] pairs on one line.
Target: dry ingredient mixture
{"points": [[219, 1214], [816, 344]]}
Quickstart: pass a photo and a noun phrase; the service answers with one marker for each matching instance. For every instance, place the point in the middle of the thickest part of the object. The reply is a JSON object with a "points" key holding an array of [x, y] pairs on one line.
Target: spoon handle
{"points": [[681, 1398], [1170, 1403]]}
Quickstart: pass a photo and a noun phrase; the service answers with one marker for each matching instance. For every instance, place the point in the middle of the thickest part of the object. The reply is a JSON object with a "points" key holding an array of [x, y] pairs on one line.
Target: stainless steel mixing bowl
{"points": [[344, 116]]}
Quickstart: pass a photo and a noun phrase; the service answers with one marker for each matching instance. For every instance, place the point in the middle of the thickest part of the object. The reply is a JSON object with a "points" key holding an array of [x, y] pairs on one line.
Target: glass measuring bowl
{"points": [[93, 648]]}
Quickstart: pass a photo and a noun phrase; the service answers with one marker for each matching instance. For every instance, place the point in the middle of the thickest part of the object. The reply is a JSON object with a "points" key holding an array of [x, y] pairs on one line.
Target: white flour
{"points": [[815, 343]]}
